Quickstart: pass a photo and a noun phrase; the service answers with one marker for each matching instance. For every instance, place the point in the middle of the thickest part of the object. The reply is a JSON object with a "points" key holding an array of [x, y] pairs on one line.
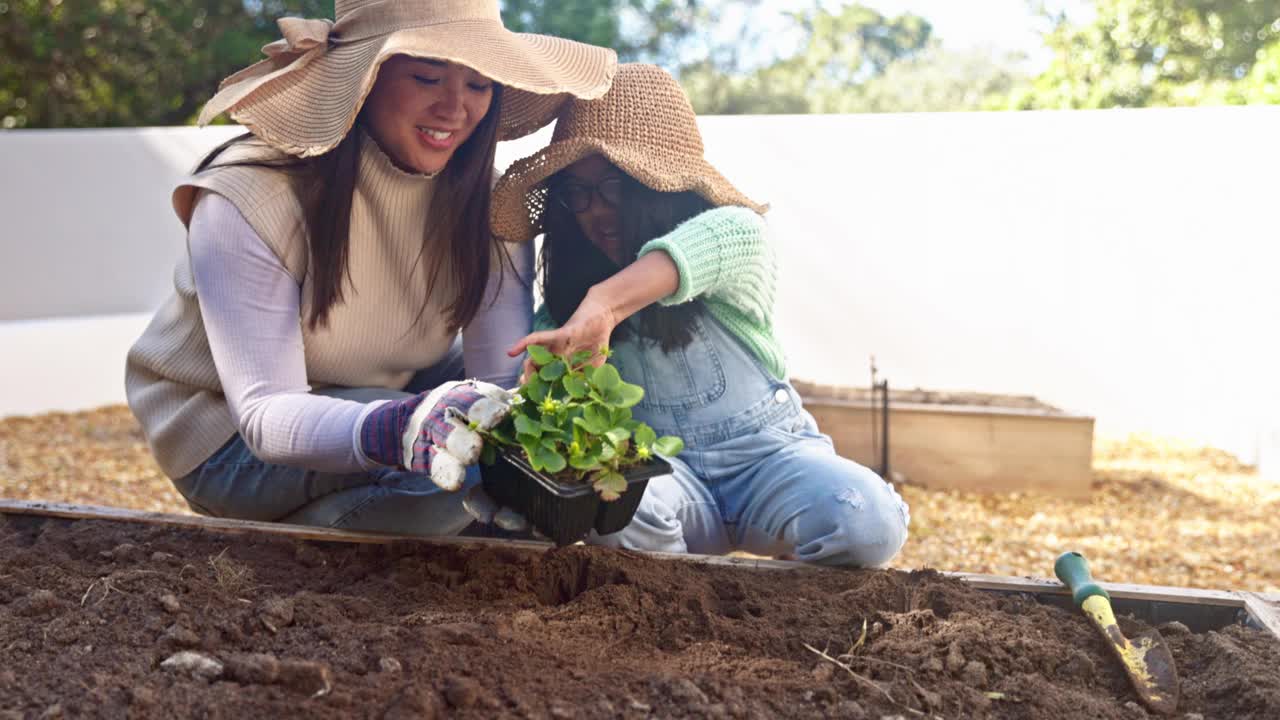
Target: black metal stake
{"points": [[884, 429], [880, 443]]}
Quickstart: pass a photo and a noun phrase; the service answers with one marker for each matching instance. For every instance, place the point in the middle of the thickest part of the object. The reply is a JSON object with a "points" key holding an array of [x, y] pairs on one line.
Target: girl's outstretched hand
{"points": [[588, 328], [607, 304]]}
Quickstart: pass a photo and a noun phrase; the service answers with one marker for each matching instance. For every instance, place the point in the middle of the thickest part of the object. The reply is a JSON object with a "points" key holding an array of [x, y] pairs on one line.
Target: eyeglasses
{"points": [[577, 197]]}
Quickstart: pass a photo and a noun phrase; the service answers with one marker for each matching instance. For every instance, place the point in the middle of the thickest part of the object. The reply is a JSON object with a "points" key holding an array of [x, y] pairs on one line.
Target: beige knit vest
{"points": [[373, 339]]}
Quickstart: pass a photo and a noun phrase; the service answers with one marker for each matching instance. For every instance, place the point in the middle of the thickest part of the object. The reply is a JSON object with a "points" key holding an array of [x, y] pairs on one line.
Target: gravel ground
{"points": [[1162, 512]]}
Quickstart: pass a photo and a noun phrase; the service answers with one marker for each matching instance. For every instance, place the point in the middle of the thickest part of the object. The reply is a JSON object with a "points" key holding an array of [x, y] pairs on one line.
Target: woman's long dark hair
{"points": [[459, 215], [570, 263]]}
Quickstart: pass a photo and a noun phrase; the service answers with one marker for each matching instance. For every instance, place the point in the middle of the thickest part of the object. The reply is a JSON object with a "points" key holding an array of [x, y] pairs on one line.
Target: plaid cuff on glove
{"points": [[440, 422], [383, 429], [383, 432]]}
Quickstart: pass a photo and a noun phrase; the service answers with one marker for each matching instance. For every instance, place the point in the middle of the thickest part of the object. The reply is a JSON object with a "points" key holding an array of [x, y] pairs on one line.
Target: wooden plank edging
{"points": [[1263, 612], [303, 532], [200, 522], [1260, 607], [1124, 591]]}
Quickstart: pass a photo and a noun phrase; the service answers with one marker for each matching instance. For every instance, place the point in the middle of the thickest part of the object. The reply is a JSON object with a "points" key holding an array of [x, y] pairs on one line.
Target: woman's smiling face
{"points": [[420, 110]]}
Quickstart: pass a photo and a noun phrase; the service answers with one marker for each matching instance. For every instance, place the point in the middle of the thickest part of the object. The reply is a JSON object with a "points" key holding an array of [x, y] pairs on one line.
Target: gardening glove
{"points": [[480, 506], [432, 432]]}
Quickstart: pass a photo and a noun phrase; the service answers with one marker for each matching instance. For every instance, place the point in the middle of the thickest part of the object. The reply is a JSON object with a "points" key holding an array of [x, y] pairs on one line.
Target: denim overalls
{"points": [[756, 474]]}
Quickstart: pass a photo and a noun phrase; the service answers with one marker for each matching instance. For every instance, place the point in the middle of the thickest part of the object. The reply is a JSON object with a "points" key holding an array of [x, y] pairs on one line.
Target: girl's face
{"points": [[592, 189], [420, 111]]}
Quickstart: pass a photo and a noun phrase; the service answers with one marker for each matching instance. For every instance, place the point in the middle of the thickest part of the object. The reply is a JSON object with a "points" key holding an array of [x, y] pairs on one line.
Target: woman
{"points": [[305, 369], [650, 251]]}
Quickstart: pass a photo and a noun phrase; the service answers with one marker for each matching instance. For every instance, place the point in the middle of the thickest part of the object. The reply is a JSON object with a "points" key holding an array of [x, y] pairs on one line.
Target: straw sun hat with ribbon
{"points": [[304, 98], [644, 125]]}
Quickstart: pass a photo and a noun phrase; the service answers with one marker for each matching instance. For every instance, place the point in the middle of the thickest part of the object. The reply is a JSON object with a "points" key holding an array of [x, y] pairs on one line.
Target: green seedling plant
{"points": [[574, 423]]}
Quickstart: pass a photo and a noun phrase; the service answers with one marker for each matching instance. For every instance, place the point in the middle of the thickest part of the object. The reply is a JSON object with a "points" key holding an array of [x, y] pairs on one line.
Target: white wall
{"points": [[1117, 263], [87, 226]]}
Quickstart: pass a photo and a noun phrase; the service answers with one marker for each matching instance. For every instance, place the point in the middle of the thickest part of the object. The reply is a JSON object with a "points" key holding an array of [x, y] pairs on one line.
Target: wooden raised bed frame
{"points": [[1200, 610], [952, 446]]}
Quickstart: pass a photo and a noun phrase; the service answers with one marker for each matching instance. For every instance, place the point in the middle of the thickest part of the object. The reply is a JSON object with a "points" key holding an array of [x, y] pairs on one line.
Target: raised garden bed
{"points": [[961, 441], [313, 623]]}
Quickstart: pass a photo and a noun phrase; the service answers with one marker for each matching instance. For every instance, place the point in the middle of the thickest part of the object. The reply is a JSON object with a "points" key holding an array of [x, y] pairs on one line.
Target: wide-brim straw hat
{"points": [[304, 98], [644, 125]]}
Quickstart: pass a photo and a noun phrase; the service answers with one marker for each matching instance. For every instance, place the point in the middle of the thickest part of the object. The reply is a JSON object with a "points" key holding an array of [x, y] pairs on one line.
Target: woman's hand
{"points": [[435, 433], [588, 329]]}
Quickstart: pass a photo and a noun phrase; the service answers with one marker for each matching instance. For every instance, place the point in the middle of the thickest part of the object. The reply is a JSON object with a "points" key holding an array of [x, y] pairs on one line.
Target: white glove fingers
{"points": [[495, 393], [510, 520], [464, 444], [487, 413], [479, 505], [446, 472]]}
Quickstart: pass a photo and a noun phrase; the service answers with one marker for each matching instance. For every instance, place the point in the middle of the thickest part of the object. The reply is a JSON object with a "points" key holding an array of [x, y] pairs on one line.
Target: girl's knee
{"points": [[862, 527]]}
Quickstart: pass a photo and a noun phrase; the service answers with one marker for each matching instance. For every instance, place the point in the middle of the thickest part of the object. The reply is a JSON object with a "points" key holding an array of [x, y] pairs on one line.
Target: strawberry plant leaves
{"points": [[540, 355], [585, 462], [579, 416], [576, 386], [668, 445], [617, 436], [552, 372], [595, 420], [528, 426], [551, 461], [606, 378], [610, 485], [625, 395], [537, 389], [645, 435]]}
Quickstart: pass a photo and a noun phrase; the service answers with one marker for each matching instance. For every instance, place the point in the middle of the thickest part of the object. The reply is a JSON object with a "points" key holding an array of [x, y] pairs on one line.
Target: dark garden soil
{"points": [[95, 617]]}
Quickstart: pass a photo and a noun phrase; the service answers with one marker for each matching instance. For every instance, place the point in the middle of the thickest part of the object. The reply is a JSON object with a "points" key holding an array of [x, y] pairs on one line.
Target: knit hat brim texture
{"points": [[305, 97], [644, 125]]}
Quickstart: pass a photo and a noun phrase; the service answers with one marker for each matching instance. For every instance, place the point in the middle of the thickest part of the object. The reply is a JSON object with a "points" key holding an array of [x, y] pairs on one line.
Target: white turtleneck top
{"points": [[230, 352]]}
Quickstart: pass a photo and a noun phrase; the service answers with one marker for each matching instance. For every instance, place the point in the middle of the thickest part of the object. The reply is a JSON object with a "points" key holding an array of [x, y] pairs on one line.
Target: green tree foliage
{"points": [[1137, 53], [87, 63], [854, 60], [105, 63], [839, 51], [940, 80], [648, 30], [1262, 84]]}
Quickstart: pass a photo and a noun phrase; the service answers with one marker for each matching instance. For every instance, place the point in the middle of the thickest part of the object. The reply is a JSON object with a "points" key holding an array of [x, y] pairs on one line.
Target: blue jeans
{"points": [[233, 483]]}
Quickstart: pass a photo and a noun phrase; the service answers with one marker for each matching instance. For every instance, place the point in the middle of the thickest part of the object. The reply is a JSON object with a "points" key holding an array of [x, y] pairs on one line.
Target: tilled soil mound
{"points": [[126, 620]]}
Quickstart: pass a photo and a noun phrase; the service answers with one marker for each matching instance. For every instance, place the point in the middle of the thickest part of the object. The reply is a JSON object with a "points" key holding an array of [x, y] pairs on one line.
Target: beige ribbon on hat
{"points": [[300, 36]]}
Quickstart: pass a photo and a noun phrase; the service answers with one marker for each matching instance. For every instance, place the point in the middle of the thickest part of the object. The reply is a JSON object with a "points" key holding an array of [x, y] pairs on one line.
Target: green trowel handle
{"points": [[1072, 569]]}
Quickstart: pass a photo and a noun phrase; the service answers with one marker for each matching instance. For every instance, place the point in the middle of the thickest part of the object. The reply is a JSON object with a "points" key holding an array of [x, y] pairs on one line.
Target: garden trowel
{"points": [[1146, 659]]}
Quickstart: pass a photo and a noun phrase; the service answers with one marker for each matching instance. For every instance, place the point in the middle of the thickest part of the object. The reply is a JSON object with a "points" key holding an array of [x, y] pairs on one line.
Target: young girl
{"points": [[650, 251], [305, 368]]}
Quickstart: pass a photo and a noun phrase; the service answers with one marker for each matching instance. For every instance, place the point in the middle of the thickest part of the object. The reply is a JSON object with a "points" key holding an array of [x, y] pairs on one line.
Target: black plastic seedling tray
{"points": [[564, 513]]}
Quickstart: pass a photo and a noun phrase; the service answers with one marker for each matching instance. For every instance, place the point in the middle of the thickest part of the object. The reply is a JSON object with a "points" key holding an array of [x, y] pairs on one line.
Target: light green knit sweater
{"points": [[724, 259]]}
